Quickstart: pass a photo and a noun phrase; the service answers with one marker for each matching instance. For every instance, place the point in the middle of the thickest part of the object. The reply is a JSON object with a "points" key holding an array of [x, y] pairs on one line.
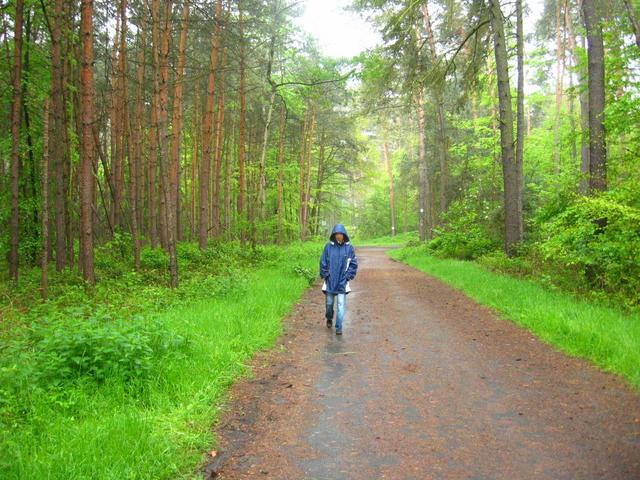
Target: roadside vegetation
{"points": [[608, 336], [125, 380]]}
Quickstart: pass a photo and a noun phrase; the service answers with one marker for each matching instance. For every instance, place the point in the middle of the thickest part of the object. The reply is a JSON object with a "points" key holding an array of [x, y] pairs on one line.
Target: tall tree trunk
{"points": [[584, 104], [283, 120], [520, 117], [227, 186], [162, 75], [309, 162], [559, 86], [241, 128], [86, 142], [633, 17], [176, 123], [595, 54], [303, 149], [15, 139], [59, 159], [195, 152], [136, 159], [207, 134], [152, 165], [509, 168], [440, 114], [215, 206], [424, 186], [44, 292], [392, 201]]}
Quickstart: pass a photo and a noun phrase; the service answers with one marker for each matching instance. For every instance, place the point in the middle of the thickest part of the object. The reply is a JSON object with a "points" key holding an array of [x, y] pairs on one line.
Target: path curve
{"points": [[424, 384]]}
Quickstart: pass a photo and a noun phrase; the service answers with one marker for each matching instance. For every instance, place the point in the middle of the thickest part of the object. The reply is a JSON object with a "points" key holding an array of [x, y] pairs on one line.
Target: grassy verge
{"points": [[67, 413], [608, 337]]}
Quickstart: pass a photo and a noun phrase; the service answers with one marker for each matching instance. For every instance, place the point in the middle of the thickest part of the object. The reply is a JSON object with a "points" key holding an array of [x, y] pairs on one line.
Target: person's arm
{"points": [[353, 265], [324, 262]]}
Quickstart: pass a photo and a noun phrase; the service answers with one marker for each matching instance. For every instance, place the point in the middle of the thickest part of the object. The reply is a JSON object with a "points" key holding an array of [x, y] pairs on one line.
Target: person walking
{"points": [[338, 266]]}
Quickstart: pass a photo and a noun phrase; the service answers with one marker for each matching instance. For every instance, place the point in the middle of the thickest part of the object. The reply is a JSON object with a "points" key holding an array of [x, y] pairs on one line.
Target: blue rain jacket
{"points": [[338, 263]]}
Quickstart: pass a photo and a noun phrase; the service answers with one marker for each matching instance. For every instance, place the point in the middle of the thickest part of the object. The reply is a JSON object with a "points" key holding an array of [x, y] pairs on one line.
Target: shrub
{"points": [[599, 240], [153, 258]]}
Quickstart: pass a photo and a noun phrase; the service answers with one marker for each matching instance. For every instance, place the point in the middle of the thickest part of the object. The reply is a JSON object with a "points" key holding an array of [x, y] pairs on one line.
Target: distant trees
{"points": [[163, 127]]}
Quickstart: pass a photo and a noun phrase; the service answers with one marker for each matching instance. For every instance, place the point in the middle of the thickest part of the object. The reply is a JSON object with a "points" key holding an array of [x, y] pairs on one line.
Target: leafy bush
{"points": [[598, 239], [99, 347], [153, 258]]}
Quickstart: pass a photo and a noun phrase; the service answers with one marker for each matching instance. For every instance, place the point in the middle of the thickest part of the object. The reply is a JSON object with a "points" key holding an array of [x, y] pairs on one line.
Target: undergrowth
{"points": [[124, 380]]}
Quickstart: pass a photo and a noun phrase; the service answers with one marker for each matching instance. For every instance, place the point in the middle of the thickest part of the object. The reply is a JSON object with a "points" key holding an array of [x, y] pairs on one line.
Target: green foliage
{"points": [[462, 236], [598, 239], [125, 380]]}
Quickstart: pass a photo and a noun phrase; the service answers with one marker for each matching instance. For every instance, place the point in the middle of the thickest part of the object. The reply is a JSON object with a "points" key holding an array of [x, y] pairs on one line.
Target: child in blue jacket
{"points": [[338, 265]]}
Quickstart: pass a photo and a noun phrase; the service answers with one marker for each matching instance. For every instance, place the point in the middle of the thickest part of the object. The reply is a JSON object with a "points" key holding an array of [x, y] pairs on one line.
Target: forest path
{"points": [[424, 384]]}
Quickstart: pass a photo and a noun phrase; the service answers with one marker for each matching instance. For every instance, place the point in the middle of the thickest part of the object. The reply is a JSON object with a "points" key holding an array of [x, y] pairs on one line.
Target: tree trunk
{"points": [[584, 106], [241, 127], [195, 157], [392, 201], [15, 138], [44, 292], [440, 114], [176, 123], [509, 168], [215, 206], [633, 17], [207, 134], [136, 159], [162, 75], [86, 142], [595, 54], [303, 149], [520, 116], [559, 78], [307, 193], [283, 120], [424, 187], [57, 150]]}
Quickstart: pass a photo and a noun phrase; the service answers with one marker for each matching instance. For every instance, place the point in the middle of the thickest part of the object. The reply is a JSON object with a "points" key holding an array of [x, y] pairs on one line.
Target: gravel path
{"points": [[424, 384]]}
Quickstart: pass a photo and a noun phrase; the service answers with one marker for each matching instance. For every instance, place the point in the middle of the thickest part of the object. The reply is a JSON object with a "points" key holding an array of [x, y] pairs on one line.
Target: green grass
{"points": [[606, 336], [162, 428], [400, 239]]}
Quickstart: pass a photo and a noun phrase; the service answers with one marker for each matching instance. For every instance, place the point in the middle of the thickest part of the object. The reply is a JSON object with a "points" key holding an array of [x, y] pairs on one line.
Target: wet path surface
{"points": [[424, 384]]}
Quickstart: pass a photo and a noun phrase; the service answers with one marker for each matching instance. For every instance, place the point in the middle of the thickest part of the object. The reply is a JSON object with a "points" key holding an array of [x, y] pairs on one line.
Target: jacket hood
{"points": [[339, 228]]}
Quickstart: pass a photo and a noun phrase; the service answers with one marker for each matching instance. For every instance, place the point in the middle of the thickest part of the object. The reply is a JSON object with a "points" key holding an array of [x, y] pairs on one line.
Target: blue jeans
{"points": [[342, 305]]}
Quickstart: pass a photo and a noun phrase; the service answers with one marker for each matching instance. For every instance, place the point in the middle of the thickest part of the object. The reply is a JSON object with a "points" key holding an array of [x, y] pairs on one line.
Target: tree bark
{"points": [[57, 150], [283, 120], [162, 75], [215, 206], [392, 201], [424, 186], [15, 139], [177, 120], [584, 106], [509, 168], [559, 86], [44, 292], [440, 114], [633, 17], [86, 142], [207, 134], [303, 149], [241, 128], [520, 116], [595, 54]]}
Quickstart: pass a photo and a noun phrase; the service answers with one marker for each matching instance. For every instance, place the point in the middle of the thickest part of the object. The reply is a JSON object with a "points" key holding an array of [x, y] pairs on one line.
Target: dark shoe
{"points": [[329, 323], [338, 332]]}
